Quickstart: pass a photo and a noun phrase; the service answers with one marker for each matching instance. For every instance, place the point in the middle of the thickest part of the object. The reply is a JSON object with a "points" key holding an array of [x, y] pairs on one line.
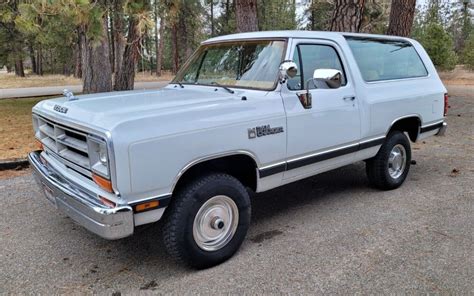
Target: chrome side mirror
{"points": [[332, 77], [288, 69]]}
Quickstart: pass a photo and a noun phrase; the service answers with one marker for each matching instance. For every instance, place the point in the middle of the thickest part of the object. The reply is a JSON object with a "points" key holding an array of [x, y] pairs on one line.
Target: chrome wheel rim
{"points": [[397, 161], [215, 223]]}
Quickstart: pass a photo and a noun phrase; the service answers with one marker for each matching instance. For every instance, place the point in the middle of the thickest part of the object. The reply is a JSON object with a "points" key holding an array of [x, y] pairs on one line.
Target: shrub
{"points": [[439, 45]]}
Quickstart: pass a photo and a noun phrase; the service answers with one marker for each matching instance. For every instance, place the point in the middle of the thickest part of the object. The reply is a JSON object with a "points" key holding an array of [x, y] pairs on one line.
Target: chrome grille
{"points": [[67, 145]]}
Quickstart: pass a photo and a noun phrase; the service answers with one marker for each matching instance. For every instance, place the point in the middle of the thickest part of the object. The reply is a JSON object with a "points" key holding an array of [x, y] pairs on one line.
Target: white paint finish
{"points": [[158, 134], [333, 121]]}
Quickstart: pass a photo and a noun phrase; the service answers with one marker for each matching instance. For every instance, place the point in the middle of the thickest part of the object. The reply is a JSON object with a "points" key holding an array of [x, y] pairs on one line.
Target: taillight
{"points": [[446, 104]]}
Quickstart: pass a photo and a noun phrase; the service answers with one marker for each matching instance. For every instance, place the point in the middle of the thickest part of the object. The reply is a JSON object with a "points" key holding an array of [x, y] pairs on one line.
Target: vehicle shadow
{"points": [[145, 251]]}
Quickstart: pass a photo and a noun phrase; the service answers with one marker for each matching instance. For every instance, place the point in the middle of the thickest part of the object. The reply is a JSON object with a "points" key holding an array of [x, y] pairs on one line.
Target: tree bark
{"points": [[402, 13], [161, 46], [33, 59], [119, 38], [347, 16], [96, 68], [246, 15], [78, 59], [126, 76], [39, 61], [212, 18], [174, 48], [19, 70]]}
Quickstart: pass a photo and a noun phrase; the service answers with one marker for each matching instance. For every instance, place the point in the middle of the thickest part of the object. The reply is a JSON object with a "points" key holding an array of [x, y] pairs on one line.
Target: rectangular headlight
{"points": [[99, 158]]}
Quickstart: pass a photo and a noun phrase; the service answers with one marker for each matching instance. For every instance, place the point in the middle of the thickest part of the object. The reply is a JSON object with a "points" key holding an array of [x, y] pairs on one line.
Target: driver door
{"points": [[325, 136]]}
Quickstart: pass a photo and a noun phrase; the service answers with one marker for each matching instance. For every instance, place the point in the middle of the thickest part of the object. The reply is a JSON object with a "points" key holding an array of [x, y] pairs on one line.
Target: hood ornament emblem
{"points": [[69, 95]]}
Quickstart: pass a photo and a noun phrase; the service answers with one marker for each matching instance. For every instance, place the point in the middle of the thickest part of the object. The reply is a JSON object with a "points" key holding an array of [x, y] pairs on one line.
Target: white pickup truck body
{"points": [[154, 139]]}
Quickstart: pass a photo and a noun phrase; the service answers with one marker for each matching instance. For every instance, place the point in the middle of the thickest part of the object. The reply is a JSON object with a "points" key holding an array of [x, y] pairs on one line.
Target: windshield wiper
{"points": [[223, 86]]}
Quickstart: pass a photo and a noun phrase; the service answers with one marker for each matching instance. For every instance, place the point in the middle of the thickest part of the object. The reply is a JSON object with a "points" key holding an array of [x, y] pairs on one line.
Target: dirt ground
{"points": [[9, 80], [459, 76]]}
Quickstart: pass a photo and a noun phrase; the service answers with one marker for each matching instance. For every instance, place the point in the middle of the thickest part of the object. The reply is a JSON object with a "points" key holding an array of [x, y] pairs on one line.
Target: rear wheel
{"points": [[207, 221], [389, 168]]}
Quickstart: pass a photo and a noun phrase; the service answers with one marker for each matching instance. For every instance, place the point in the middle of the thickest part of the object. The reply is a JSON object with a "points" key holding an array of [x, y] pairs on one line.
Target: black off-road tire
{"points": [[377, 168], [179, 219]]}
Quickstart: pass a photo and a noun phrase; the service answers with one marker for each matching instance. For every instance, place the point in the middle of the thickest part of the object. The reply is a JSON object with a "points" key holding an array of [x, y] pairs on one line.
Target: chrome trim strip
{"points": [[312, 158], [210, 157], [322, 152], [434, 123], [403, 117]]}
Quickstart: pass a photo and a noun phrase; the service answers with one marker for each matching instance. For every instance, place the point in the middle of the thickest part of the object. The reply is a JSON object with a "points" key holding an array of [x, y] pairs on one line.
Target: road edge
{"points": [[14, 164]]}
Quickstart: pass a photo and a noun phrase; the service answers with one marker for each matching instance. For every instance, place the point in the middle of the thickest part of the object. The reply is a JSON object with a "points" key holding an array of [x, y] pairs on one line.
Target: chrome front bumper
{"points": [[81, 205]]}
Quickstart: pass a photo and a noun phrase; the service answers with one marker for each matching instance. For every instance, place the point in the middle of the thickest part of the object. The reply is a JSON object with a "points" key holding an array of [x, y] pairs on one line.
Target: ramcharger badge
{"points": [[264, 130], [60, 109]]}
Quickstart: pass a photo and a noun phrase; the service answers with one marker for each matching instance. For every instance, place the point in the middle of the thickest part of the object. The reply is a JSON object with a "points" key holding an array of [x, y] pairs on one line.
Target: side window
{"points": [[380, 59], [310, 57]]}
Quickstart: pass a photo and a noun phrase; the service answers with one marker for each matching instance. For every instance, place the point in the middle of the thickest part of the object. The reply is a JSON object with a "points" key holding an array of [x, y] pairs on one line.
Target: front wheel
{"points": [[207, 221], [389, 168]]}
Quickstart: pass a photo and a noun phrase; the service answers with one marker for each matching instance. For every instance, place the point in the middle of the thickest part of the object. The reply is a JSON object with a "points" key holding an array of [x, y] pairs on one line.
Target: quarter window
{"points": [[310, 57], [380, 59]]}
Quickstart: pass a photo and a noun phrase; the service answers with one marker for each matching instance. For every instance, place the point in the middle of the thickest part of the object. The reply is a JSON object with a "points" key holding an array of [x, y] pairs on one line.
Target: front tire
{"points": [[207, 221], [389, 168]]}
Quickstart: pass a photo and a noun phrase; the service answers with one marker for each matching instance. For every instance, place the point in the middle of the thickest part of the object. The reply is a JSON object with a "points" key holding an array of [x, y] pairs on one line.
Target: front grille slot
{"points": [[70, 146]]}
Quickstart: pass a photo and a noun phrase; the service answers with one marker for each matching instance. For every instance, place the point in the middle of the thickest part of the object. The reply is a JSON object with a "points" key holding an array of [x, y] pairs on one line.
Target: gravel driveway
{"points": [[327, 234]]}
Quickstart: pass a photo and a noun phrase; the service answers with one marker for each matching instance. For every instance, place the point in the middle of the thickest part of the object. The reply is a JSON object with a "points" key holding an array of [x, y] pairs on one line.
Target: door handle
{"points": [[349, 98]]}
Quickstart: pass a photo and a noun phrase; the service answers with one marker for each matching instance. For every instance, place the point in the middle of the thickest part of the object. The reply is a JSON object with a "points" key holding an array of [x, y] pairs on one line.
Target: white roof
{"points": [[296, 34]]}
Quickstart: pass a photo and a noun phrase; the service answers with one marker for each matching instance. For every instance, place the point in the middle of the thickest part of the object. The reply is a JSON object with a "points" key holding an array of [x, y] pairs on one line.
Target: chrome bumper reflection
{"points": [[80, 205]]}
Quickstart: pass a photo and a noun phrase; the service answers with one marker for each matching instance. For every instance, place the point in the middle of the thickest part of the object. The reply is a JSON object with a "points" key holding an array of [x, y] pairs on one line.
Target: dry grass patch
{"points": [[16, 128], [459, 76], [9, 80]]}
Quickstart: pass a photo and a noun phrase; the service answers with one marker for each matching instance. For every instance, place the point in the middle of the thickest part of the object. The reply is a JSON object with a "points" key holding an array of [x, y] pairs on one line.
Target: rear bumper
{"points": [[442, 129], [81, 205]]}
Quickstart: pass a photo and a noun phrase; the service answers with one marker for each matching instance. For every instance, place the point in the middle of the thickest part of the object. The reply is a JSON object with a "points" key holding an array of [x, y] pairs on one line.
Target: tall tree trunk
{"points": [[246, 15], [161, 46], [126, 76], [19, 70], [33, 59], [39, 61], [157, 41], [174, 48], [119, 38], [78, 59], [402, 13], [347, 16], [212, 18], [96, 68]]}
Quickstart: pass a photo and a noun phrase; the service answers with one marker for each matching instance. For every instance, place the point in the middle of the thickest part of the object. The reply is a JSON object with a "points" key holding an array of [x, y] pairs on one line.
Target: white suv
{"points": [[250, 111]]}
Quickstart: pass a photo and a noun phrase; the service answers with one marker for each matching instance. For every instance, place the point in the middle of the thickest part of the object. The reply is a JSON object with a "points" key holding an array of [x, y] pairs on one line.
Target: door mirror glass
{"points": [[288, 69], [332, 77]]}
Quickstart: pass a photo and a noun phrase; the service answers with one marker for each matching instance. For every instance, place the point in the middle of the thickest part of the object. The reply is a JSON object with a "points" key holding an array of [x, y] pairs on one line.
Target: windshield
{"points": [[250, 64]]}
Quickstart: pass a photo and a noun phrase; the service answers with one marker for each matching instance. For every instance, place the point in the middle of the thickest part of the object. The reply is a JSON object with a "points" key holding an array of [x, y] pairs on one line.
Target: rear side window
{"points": [[386, 59]]}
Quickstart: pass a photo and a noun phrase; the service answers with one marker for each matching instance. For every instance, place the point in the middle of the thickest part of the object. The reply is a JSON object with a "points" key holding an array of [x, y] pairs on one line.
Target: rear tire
{"points": [[389, 168], [207, 221]]}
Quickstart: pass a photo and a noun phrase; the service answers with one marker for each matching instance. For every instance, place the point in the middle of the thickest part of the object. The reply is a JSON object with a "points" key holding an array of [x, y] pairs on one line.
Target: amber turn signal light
{"points": [[107, 202], [39, 145], [102, 182], [147, 206]]}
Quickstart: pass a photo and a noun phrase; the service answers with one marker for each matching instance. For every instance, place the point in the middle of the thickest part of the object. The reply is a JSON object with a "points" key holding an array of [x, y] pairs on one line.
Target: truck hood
{"points": [[104, 111]]}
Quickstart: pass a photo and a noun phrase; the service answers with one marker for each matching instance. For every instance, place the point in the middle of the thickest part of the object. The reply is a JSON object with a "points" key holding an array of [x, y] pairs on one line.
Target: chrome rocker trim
{"points": [[81, 205]]}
